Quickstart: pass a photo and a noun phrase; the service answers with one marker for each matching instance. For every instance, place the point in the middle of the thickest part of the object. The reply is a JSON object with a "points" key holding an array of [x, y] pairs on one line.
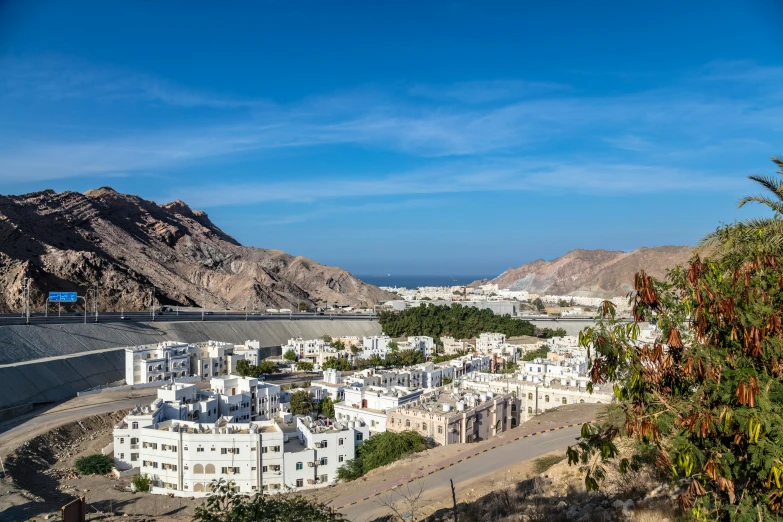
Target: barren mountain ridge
{"points": [[70, 241]]}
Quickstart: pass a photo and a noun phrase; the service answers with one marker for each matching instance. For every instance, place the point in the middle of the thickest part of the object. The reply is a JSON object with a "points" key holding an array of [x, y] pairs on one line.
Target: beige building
{"points": [[452, 346], [453, 418]]}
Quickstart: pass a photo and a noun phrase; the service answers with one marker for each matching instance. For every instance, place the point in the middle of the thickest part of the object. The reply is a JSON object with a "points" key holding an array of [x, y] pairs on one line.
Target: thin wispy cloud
{"points": [[527, 122]]}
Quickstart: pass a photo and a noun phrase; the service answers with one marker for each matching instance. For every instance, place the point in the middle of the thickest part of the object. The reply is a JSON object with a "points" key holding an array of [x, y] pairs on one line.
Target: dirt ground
{"points": [[41, 479]]}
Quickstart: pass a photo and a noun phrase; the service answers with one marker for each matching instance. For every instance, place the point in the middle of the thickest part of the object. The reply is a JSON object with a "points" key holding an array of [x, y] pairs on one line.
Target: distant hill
{"points": [[68, 241], [600, 273]]}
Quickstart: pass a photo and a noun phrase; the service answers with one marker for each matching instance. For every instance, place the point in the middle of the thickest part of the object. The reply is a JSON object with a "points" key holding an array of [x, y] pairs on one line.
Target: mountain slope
{"points": [[125, 244], [600, 273]]}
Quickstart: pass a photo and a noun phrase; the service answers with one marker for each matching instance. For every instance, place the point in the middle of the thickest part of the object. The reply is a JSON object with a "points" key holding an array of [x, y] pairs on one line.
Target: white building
{"points": [[487, 342], [370, 404], [319, 449], [210, 359], [157, 362]]}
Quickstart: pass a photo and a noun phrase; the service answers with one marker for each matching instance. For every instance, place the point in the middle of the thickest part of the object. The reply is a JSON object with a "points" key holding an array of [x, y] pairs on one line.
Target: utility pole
{"points": [[26, 298], [153, 302], [95, 301], [203, 304]]}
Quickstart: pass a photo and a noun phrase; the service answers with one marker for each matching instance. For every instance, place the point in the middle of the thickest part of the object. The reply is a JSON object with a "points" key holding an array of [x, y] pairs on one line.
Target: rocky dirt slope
{"points": [[600, 273], [68, 241]]}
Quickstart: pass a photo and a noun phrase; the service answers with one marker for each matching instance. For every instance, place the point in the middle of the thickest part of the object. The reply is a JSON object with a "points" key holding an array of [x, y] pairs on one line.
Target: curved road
{"points": [[437, 486]]}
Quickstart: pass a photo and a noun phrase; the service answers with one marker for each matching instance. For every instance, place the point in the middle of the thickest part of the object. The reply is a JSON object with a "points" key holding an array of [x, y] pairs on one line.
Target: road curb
{"points": [[509, 441]]}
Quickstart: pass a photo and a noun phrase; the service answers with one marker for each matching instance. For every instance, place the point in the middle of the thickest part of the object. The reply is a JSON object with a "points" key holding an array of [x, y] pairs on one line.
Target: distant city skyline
{"points": [[441, 138]]}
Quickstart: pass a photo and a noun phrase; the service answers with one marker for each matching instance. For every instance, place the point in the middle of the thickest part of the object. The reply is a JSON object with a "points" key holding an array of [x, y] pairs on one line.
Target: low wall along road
{"points": [[44, 363]]}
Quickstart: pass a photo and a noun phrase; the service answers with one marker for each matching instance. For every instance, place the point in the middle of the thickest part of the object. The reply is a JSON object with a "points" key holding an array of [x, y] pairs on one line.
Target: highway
{"points": [[437, 486], [115, 317]]}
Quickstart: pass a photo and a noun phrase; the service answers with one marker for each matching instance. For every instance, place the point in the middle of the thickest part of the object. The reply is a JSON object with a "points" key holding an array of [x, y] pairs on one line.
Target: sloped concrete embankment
{"points": [[53, 362]]}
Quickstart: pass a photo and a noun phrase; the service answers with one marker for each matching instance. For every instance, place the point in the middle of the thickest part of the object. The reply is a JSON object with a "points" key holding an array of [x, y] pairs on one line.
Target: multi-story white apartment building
{"points": [[450, 416], [250, 351], [370, 404], [157, 362], [210, 359], [542, 368], [452, 346], [375, 345], [183, 443], [422, 343], [316, 351], [319, 449], [488, 341]]}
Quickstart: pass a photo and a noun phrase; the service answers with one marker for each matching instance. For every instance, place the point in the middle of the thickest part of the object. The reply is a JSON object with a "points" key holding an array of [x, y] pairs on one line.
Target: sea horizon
{"points": [[418, 280]]}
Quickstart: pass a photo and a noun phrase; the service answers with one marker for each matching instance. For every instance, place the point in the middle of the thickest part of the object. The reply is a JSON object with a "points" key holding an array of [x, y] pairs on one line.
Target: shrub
{"points": [[541, 464], [380, 450], [94, 464], [142, 483]]}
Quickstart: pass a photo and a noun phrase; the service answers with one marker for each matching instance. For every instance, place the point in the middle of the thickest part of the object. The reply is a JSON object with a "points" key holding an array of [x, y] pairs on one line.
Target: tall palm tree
{"points": [[756, 235]]}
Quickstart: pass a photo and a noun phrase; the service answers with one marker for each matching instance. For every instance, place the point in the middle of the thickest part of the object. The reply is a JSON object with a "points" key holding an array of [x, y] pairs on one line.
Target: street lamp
{"points": [[153, 302], [95, 300], [203, 304]]}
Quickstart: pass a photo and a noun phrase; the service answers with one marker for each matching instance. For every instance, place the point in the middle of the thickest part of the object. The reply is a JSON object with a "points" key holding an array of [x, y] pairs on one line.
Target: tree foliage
{"points": [[336, 364], [338, 345], [705, 398], [548, 333], [538, 353], [456, 320], [539, 304], [289, 355], [142, 483], [326, 406], [96, 464], [246, 369], [302, 403], [304, 366], [379, 450], [227, 506]]}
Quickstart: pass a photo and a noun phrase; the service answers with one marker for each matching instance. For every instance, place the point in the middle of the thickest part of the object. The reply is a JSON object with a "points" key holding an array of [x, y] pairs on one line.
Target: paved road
{"points": [[436, 485], [114, 317]]}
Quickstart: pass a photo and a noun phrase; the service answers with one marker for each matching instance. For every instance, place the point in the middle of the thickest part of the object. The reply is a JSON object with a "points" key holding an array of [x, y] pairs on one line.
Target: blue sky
{"points": [[402, 137]]}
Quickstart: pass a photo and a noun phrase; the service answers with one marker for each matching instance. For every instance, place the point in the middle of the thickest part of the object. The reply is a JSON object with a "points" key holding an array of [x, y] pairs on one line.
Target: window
{"points": [[407, 423], [299, 483], [323, 443], [440, 430], [122, 456], [264, 469], [276, 449], [581, 400], [135, 426], [424, 425], [530, 409], [122, 440], [199, 450], [299, 465], [341, 458], [565, 401], [264, 449], [359, 436], [324, 478], [546, 398], [340, 442], [324, 461], [134, 457]]}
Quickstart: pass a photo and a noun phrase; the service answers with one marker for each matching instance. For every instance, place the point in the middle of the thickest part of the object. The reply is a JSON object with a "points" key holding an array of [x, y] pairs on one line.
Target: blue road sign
{"points": [[62, 297]]}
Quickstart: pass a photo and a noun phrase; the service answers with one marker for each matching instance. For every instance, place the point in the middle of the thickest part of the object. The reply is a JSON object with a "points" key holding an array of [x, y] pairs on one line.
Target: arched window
{"points": [[198, 469], [209, 469], [530, 396], [198, 487], [565, 401], [407, 423], [530, 409], [513, 408], [513, 423], [581, 400], [546, 398]]}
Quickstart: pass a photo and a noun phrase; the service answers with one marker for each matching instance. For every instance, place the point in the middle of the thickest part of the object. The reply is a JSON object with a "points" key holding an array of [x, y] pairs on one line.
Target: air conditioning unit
{"points": [[310, 481], [310, 464]]}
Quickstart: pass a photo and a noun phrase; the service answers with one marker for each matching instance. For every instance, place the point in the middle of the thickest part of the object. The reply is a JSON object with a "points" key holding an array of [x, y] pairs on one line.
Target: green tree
{"points": [[289, 355], [393, 347], [225, 505], [446, 381], [754, 236], [142, 483], [303, 307], [379, 450], [563, 303], [538, 353], [245, 369], [304, 366], [705, 399], [539, 304], [301, 403], [326, 338], [338, 345], [266, 367], [327, 407], [96, 464], [354, 349], [548, 333], [336, 364]]}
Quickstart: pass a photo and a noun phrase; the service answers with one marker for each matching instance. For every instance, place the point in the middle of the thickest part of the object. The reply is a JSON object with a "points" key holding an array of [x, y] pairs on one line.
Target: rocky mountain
{"points": [[70, 241], [599, 273]]}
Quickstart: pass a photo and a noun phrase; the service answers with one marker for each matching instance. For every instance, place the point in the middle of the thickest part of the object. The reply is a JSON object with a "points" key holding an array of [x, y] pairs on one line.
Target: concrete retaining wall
{"points": [[54, 362]]}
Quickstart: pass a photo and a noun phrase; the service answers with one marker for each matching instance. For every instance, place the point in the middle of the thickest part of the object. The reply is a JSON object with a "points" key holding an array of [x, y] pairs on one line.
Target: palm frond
{"points": [[774, 185], [777, 206]]}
